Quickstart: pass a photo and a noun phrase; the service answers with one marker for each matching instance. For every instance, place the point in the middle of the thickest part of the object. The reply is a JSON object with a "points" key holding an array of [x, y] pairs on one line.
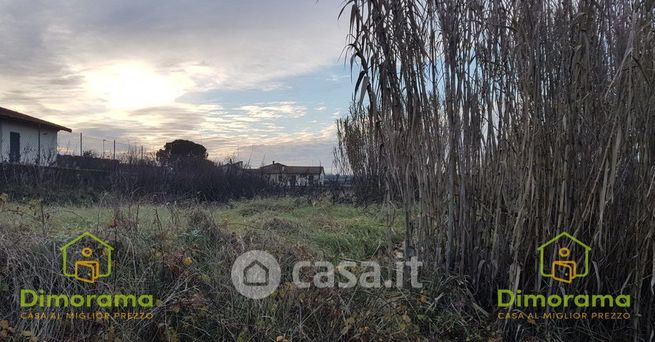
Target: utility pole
{"points": [[103, 148], [141, 152], [114, 149], [81, 153]]}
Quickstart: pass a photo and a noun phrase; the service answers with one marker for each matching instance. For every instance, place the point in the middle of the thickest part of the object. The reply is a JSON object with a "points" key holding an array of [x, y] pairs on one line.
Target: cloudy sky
{"points": [[261, 79]]}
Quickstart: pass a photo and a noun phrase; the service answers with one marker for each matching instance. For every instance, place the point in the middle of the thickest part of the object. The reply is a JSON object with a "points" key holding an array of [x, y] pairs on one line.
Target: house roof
{"points": [[277, 168], [9, 114], [304, 169]]}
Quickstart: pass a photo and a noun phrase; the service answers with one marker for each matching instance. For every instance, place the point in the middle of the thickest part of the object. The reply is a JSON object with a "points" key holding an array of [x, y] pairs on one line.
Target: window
{"points": [[14, 147]]}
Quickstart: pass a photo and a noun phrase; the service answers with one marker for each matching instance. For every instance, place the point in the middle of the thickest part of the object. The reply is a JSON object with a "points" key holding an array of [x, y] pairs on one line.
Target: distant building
{"points": [[26, 139], [293, 175], [339, 181], [231, 167]]}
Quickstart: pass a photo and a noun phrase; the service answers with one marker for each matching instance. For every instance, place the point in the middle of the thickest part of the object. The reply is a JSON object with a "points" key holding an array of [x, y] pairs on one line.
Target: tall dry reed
{"points": [[498, 124]]}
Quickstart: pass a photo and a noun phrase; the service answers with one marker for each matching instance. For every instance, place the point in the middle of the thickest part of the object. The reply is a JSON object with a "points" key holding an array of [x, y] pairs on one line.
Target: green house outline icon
{"points": [[64, 254], [542, 247]]}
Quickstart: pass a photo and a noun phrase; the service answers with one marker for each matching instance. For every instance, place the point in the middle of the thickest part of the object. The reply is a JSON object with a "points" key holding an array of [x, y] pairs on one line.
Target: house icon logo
{"points": [[256, 274], [86, 258], [558, 258]]}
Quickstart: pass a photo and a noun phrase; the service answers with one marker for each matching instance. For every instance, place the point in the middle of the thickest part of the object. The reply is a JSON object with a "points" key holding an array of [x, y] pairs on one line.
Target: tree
{"points": [[181, 150]]}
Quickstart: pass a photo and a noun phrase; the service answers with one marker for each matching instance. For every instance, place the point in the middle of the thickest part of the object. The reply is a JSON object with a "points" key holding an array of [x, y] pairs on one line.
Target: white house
{"points": [[293, 175], [27, 140]]}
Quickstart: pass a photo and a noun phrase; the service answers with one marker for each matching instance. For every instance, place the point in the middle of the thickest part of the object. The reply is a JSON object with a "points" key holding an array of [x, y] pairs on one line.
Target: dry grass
{"points": [[498, 124], [183, 255]]}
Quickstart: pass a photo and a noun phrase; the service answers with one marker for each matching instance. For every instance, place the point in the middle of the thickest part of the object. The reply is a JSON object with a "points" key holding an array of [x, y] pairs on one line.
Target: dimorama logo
{"points": [[564, 267], [86, 258]]}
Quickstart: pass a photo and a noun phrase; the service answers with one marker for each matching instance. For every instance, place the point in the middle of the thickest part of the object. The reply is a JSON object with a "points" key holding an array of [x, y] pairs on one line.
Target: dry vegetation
{"points": [[498, 124], [183, 254]]}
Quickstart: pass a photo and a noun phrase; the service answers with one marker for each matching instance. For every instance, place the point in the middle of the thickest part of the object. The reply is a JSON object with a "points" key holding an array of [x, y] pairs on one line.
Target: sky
{"points": [[258, 81]]}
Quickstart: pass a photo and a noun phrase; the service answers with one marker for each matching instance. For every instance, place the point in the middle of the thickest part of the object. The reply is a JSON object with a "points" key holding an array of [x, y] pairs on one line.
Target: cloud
{"points": [[301, 148], [245, 44], [126, 69], [222, 131], [275, 110]]}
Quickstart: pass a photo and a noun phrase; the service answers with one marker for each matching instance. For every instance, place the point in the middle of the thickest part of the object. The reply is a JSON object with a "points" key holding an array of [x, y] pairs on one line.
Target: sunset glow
{"points": [[134, 85], [146, 73]]}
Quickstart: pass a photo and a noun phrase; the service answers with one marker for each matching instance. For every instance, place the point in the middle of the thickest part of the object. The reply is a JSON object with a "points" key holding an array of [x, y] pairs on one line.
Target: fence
{"points": [[79, 144], [82, 179]]}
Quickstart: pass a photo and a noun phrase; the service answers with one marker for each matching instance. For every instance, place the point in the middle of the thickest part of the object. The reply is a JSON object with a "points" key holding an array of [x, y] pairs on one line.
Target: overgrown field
{"points": [[183, 254]]}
